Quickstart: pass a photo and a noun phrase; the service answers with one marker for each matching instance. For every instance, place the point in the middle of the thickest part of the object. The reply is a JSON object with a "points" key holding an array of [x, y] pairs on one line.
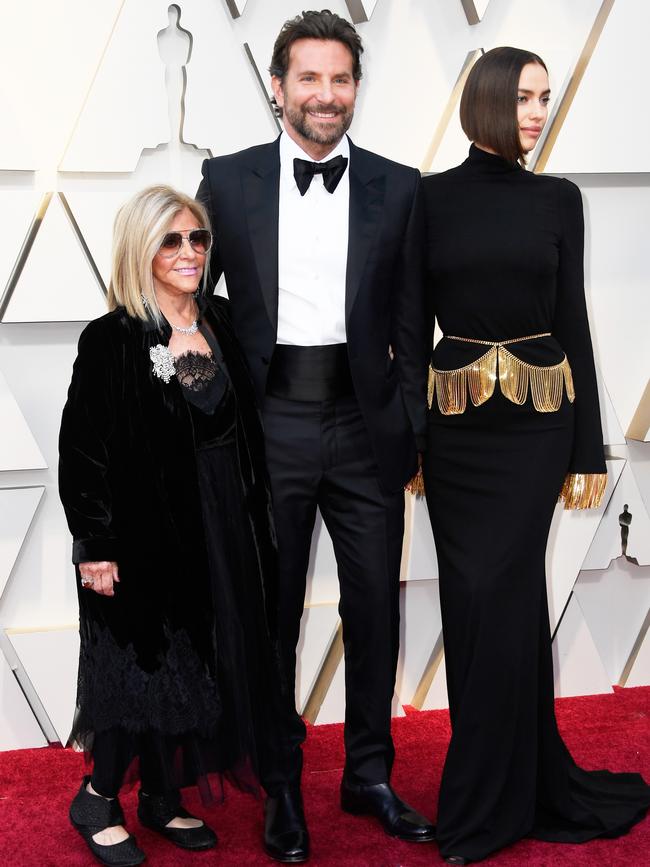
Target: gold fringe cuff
{"points": [[515, 376], [583, 490], [416, 485]]}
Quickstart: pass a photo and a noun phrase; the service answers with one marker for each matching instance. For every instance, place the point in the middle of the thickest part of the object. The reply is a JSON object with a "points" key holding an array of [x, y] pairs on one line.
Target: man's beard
{"points": [[310, 129]]}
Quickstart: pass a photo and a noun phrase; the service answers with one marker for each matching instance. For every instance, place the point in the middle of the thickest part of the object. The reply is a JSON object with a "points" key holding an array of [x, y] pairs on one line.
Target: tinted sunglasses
{"points": [[200, 240]]}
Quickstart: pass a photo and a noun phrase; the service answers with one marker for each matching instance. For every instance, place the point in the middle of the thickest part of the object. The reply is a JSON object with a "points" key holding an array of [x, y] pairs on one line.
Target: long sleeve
{"points": [[410, 335], [87, 427], [571, 328], [587, 469]]}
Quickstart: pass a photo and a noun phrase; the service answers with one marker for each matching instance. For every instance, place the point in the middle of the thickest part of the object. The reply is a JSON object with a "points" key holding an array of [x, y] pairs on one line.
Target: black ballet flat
{"points": [[155, 811], [91, 814]]}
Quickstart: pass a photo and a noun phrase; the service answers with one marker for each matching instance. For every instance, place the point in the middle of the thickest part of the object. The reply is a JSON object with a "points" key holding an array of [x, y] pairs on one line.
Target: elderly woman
{"points": [[163, 483]]}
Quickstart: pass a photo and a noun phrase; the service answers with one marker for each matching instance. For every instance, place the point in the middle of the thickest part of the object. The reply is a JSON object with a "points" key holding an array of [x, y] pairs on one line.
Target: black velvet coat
{"points": [[128, 482]]}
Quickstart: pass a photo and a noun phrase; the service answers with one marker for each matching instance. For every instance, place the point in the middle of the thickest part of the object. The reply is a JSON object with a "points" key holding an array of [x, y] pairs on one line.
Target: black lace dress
{"points": [[247, 681]]}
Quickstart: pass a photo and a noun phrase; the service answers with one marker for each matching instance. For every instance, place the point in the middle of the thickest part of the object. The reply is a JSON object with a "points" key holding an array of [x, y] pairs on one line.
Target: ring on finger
{"points": [[87, 580]]}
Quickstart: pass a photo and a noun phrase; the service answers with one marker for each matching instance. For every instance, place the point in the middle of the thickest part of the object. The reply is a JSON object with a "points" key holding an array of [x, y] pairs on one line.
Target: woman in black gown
{"points": [[163, 481], [514, 422]]}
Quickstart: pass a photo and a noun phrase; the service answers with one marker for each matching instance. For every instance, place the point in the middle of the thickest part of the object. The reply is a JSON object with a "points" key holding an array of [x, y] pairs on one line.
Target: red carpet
{"points": [[610, 731]]}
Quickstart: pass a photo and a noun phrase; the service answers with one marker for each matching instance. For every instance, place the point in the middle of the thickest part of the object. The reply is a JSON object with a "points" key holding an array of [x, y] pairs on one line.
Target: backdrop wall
{"points": [[102, 99]]}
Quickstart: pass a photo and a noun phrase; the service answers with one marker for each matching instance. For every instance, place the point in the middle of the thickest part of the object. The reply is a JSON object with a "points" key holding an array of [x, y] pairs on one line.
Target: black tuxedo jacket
{"points": [[384, 303]]}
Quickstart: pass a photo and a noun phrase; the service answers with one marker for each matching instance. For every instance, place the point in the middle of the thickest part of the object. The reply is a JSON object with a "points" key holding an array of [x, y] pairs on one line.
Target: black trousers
{"points": [[319, 455], [114, 750]]}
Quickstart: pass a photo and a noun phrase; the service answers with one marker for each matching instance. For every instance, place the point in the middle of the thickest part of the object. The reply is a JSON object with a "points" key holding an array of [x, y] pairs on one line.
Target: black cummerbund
{"points": [[310, 372]]}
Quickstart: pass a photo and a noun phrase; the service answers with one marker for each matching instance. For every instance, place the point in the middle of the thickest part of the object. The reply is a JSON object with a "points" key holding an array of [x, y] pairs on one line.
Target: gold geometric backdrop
{"points": [[101, 99]]}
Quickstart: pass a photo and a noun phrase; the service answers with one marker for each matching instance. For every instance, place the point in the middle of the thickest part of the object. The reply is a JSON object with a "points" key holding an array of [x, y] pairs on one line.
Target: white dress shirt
{"points": [[312, 252]]}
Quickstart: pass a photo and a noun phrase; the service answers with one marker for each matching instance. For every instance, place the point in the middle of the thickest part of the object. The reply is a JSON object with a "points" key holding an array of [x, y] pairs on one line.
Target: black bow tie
{"points": [[332, 172]]}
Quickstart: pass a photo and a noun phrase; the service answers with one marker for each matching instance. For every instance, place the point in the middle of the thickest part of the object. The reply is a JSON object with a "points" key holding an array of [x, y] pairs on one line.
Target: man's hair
{"points": [[488, 106], [315, 25], [139, 228]]}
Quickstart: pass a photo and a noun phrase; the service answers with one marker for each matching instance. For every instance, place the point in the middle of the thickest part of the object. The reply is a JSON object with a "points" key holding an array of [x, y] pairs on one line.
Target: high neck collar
{"points": [[492, 163]]}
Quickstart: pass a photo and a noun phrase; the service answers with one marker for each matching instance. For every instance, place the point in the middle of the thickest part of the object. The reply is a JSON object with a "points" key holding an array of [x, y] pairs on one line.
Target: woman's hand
{"points": [[99, 576]]}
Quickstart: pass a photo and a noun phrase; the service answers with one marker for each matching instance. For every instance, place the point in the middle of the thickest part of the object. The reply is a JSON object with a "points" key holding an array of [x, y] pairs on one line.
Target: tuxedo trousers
{"points": [[319, 456]]}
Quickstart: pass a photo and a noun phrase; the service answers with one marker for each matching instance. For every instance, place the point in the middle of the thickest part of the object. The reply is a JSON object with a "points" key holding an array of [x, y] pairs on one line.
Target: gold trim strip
{"points": [[92, 84], [583, 490], [448, 111], [23, 255], [325, 676], [82, 243], [635, 651], [572, 88], [429, 674], [640, 424]]}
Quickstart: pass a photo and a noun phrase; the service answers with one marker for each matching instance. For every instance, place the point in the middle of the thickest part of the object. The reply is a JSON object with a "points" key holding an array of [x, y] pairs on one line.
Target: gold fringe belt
{"points": [[546, 384]]}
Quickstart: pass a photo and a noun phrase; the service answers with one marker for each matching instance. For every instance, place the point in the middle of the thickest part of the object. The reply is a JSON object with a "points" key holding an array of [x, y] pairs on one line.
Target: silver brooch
{"points": [[163, 362]]}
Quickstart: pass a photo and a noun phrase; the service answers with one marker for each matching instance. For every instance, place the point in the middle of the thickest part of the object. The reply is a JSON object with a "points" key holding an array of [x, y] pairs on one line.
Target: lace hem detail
{"points": [[114, 690], [583, 490]]}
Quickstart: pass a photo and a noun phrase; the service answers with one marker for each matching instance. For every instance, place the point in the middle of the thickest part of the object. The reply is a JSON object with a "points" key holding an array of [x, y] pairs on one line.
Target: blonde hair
{"points": [[139, 228]]}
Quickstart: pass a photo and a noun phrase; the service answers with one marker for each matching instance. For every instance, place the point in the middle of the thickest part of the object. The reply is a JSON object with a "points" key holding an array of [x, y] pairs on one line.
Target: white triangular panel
{"points": [[126, 108], [18, 448], [617, 289], [332, 709], [317, 629], [570, 537], [42, 652], [419, 562], [612, 430], [437, 697], [322, 573], [622, 47], [614, 602], [420, 627], [606, 544], [19, 729], [639, 458], [15, 150], [453, 145], [95, 214], [57, 283], [215, 63], [17, 509], [640, 671], [17, 209], [361, 10], [579, 669]]}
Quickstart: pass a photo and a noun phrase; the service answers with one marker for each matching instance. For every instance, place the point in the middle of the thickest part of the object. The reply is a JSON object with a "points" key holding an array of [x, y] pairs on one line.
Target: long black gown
{"points": [[505, 261]]}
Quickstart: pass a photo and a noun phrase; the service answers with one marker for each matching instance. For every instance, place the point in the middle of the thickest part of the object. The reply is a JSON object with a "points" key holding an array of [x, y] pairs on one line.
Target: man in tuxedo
{"points": [[321, 245]]}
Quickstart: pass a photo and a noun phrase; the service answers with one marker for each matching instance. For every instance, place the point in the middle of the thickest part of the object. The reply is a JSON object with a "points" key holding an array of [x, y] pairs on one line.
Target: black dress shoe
{"points": [[286, 838], [155, 811], [91, 814], [396, 817]]}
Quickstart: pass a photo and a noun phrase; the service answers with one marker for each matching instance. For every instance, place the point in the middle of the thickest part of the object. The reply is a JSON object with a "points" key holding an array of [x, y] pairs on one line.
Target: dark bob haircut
{"points": [[488, 106], [315, 25]]}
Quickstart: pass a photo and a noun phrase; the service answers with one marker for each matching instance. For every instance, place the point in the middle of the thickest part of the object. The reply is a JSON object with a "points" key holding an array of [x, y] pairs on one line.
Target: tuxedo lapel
{"points": [[261, 187], [366, 203]]}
